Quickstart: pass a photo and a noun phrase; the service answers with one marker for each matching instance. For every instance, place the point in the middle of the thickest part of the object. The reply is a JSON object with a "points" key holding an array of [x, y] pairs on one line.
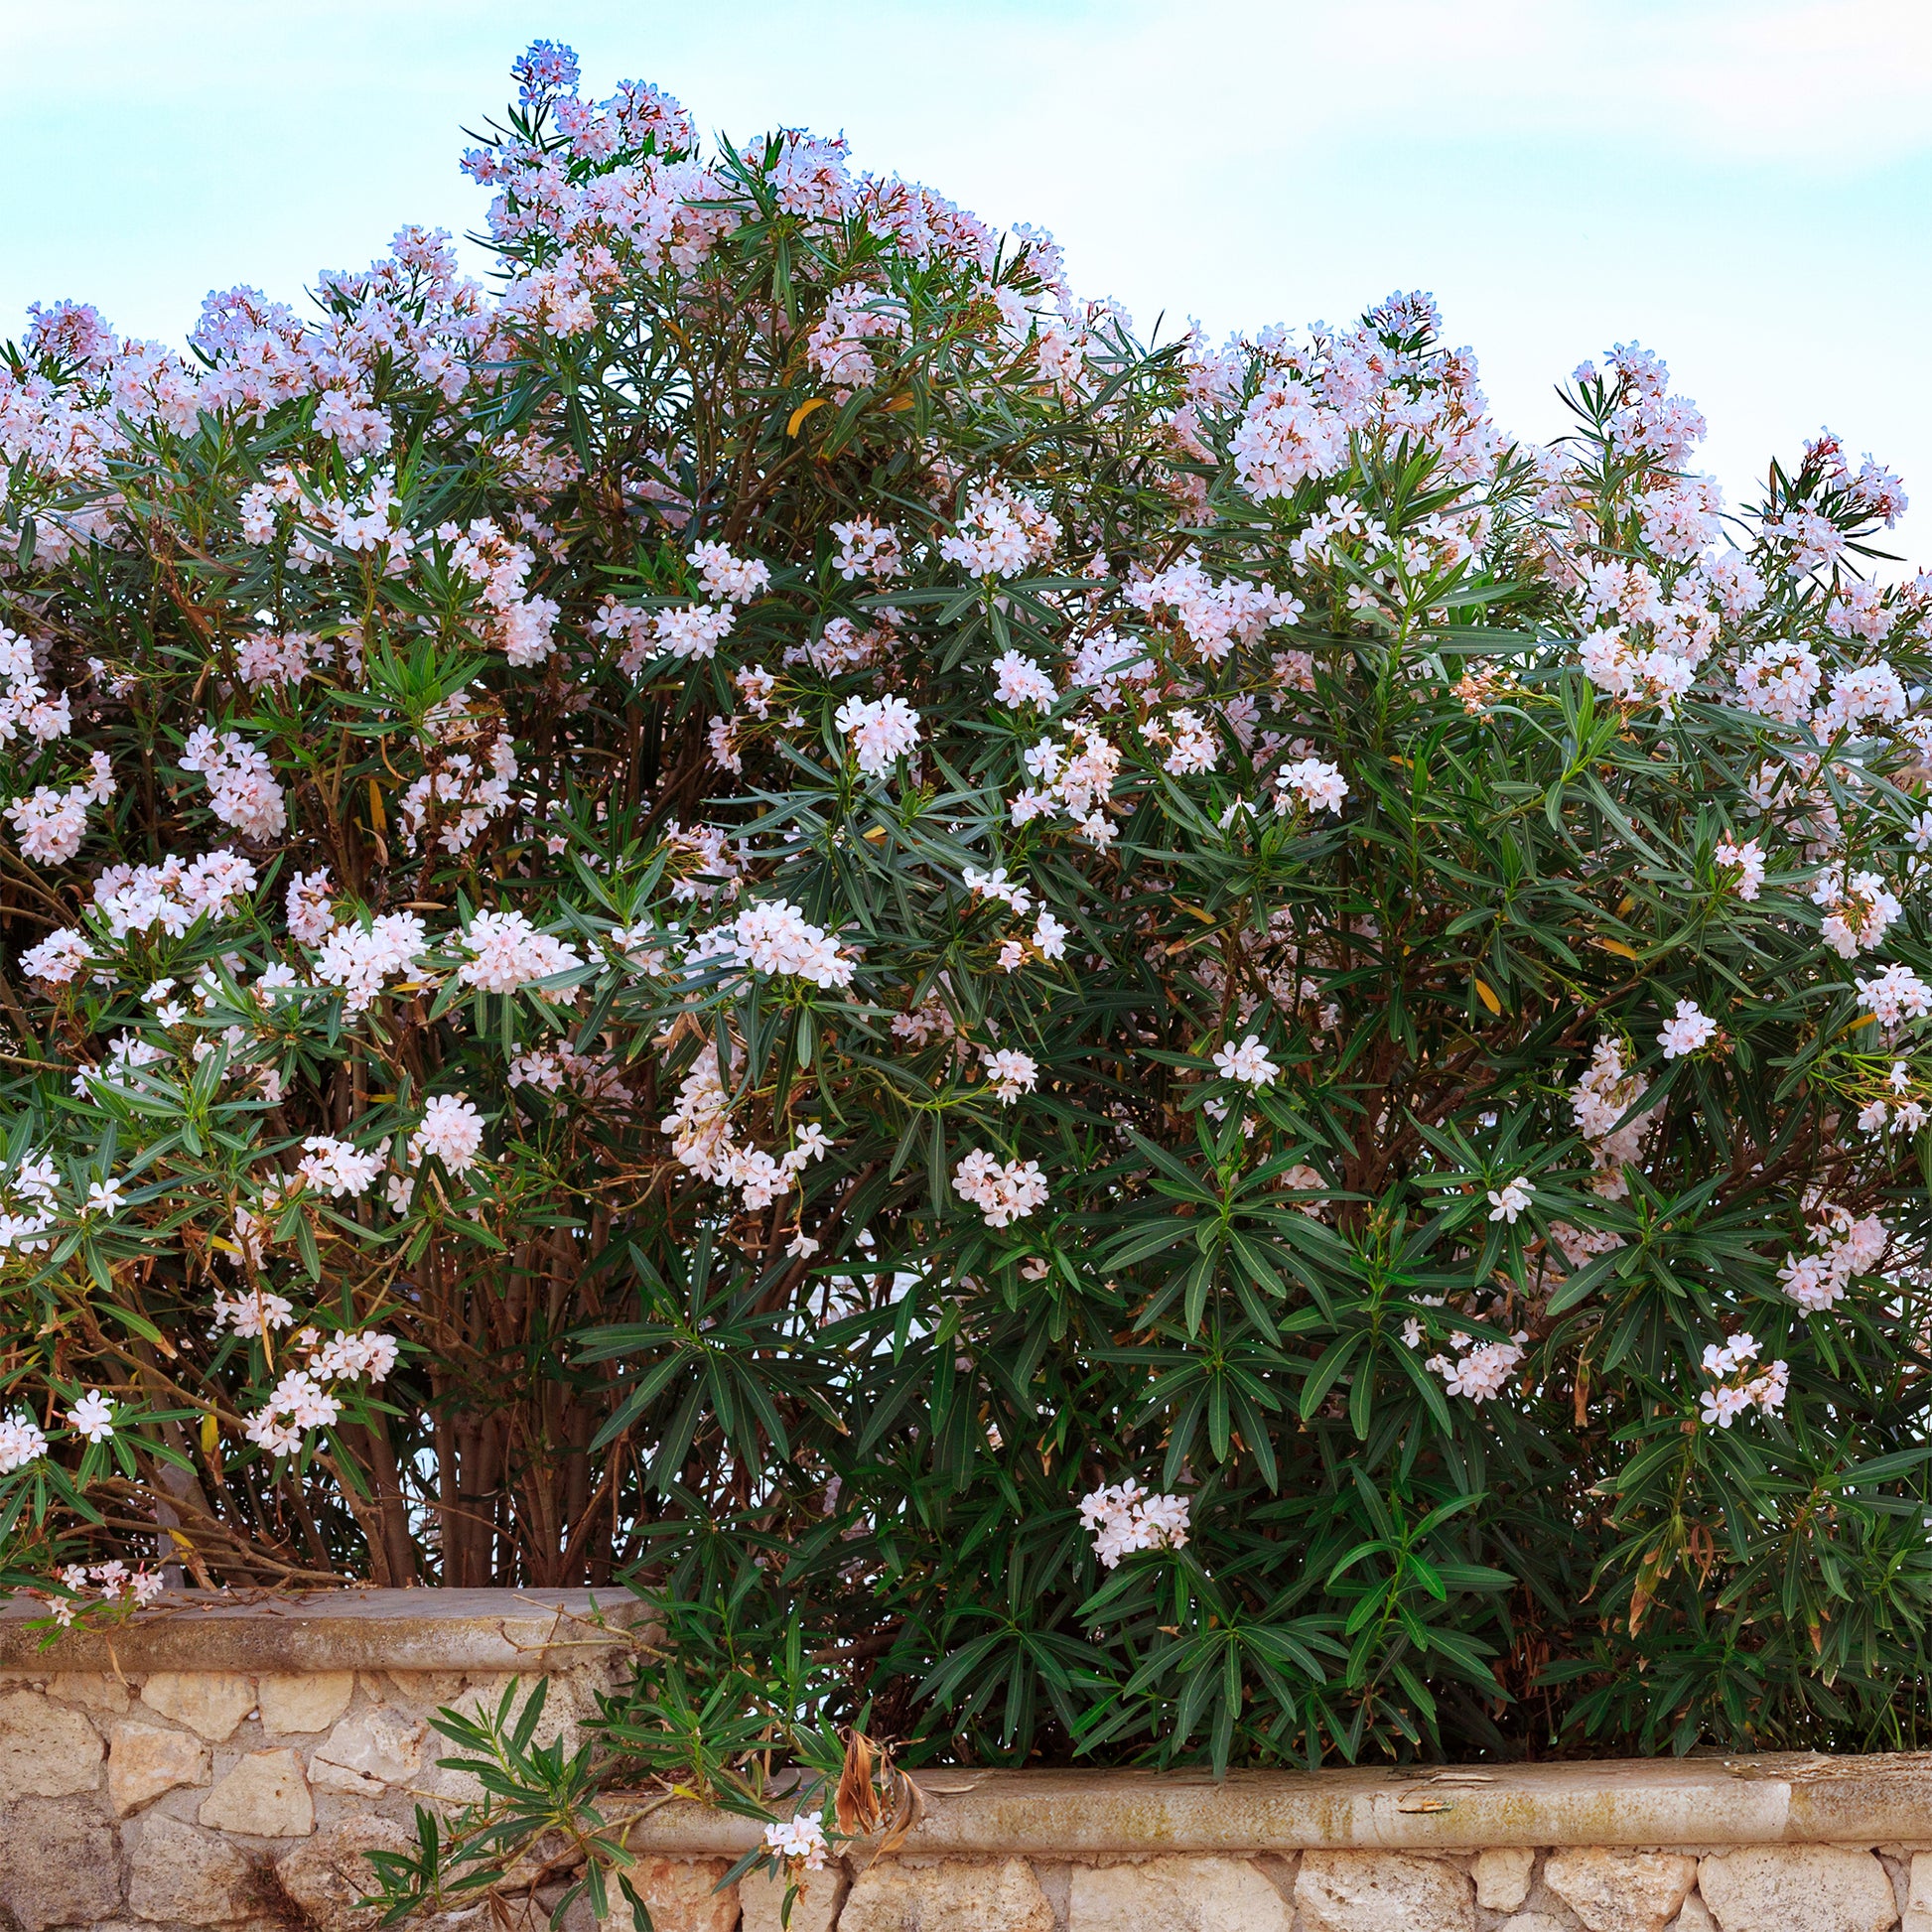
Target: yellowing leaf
{"points": [[377, 817], [1618, 947], [211, 1433], [803, 410], [905, 401], [1488, 999]]}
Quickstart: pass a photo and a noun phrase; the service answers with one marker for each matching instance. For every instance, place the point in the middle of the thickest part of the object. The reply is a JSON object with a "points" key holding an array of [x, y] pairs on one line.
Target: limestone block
{"points": [[1918, 1900], [1618, 1891], [383, 1745], [211, 1703], [98, 1690], [1798, 1888], [327, 1875], [345, 1783], [264, 1796], [952, 1895], [1502, 1876], [1532, 1922], [1695, 1917], [761, 1898], [682, 1895], [430, 1690], [1381, 1891], [182, 1876], [46, 1750], [58, 1866], [311, 1700], [1175, 1894], [145, 1760]]}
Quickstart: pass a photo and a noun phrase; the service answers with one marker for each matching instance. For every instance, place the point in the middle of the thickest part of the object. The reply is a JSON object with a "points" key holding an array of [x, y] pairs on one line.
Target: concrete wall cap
{"points": [[528, 1630], [1772, 1799]]}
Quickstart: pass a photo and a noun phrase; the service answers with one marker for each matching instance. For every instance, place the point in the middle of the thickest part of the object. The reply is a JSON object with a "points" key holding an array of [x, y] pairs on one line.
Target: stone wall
{"points": [[219, 1763]]}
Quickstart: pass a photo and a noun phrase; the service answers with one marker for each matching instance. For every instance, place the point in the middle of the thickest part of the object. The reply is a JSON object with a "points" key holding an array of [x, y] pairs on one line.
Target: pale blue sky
{"points": [[1741, 187]]}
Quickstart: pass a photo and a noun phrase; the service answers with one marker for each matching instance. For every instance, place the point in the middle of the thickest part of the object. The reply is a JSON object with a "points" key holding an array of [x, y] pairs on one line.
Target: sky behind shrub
{"points": [[1741, 187]]}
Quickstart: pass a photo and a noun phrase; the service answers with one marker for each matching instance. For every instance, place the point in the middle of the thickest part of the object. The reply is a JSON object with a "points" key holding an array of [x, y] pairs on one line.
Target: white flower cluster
{"points": [[362, 959], [800, 1840], [1858, 909], [691, 632], [1512, 1199], [1077, 777], [174, 894], [1736, 1387], [49, 824], [1606, 1093], [335, 1168], [21, 1442], [1017, 680], [304, 1398], [30, 1192], [242, 788], [1214, 616], [1747, 860], [881, 731], [703, 1139], [1481, 1373], [1687, 1031], [24, 702], [1002, 1192], [113, 1579], [1319, 785], [451, 1131], [1123, 1517], [1895, 996], [506, 951], [1904, 1115], [773, 936], [1247, 1063], [523, 625], [1842, 1245], [999, 534], [868, 549]]}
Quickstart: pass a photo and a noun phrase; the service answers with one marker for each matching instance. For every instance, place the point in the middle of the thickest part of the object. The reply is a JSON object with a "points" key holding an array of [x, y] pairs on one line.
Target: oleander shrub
{"points": [[1093, 1046]]}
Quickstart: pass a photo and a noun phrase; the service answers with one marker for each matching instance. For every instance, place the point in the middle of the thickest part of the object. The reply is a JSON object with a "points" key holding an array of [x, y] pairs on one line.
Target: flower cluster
{"points": [[1123, 1517], [1736, 1386]]}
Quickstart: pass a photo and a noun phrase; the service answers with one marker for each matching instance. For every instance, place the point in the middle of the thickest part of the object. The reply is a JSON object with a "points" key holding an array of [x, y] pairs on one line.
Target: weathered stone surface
{"points": [[327, 1875], [1694, 1917], [949, 1896], [1175, 1894], [1798, 1888], [682, 1895], [428, 1688], [145, 1760], [304, 1702], [816, 1909], [46, 1750], [1918, 1899], [381, 1743], [264, 1796], [98, 1690], [1381, 1891], [182, 1876], [1614, 1890], [211, 1703], [58, 1866], [345, 1783], [1532, 1922], [1502, 1876]]}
